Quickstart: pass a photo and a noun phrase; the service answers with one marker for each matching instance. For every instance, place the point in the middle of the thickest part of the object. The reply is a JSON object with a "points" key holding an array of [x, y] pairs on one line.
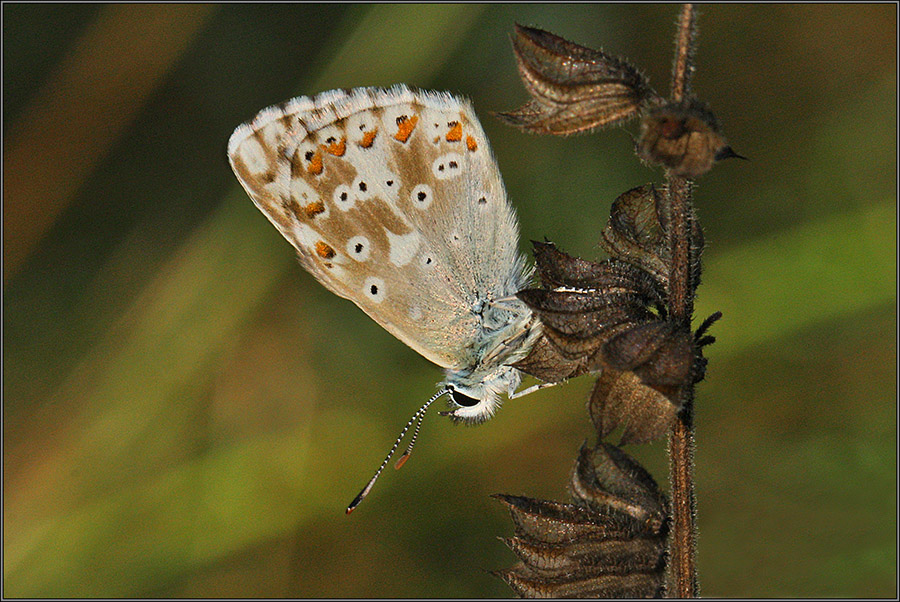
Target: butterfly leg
{"points": [[534, 388]]}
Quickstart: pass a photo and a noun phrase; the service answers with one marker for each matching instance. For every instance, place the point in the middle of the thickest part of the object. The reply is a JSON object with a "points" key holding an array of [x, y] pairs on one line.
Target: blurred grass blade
{"points": [[82, 110], [414, 42], [185, 319], [794, 279]]}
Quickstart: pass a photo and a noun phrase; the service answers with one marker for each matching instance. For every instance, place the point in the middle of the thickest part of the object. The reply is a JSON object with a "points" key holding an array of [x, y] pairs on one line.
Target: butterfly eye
{"points": [[463, 400]]}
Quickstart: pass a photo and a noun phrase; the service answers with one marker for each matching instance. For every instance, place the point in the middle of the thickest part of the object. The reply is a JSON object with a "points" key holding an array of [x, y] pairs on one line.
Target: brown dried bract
{"points": [[685, 137], [573, 88], [549, 365], [637, 232], [611, 318], [609, 543]]}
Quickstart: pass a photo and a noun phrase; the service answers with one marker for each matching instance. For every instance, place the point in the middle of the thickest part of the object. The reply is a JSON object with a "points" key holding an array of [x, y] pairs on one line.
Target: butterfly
{"points": [[392, 199]]}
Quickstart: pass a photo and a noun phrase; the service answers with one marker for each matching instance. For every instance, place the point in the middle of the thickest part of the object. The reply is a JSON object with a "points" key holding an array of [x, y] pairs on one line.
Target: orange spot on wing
{"points": [[314, 209], [324, 251], [455, 133], [315, 164], [405, 127], [470, 143], [336, 148], [368, 138]]}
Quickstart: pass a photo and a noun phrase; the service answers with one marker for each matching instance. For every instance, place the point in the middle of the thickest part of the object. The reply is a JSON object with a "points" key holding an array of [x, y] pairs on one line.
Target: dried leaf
{"points": [[573, 88], [685, 137]]}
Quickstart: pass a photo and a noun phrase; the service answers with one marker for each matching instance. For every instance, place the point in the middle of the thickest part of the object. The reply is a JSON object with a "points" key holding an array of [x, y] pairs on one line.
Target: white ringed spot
{"points": [[343, 197], [421, 196], [359, 248], [373, 289]]}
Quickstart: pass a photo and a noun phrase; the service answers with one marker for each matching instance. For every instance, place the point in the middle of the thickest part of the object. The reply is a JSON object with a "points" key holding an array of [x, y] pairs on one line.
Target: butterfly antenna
{"points": [[417, 417], [402, 459]]}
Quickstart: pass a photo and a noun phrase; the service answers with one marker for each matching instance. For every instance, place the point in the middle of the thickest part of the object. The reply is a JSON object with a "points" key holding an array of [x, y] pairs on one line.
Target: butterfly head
{"points": [[474, 400]]}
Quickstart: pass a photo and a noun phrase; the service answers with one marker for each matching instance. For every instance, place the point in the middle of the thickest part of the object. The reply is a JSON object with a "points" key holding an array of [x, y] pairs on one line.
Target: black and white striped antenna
{"points": [[416, 418]]}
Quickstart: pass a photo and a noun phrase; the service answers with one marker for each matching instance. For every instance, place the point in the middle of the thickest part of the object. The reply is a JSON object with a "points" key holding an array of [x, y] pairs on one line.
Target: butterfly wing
{"points": [[393, 200]]}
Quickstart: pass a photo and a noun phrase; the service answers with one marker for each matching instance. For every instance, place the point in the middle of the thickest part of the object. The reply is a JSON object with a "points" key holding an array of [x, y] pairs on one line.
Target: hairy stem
{"points": [[684, 54], [681, 307]]}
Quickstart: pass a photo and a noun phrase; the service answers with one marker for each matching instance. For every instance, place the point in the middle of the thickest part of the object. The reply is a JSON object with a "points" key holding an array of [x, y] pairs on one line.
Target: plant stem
{"points": [[684, 54], [681, 308]]}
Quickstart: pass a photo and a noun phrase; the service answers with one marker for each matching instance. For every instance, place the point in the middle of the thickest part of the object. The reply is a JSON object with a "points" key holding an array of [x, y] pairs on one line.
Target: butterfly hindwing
{"points": [[393, 200]]}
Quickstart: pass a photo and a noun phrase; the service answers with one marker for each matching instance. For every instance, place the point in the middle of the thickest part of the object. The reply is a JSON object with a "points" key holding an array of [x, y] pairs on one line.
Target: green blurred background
{"points": [[187, 412]]}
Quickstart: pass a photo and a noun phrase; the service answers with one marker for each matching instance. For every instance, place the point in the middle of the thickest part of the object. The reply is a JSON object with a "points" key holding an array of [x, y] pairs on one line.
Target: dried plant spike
{"points": [[573, 88], [610, 544], [685, 137]]}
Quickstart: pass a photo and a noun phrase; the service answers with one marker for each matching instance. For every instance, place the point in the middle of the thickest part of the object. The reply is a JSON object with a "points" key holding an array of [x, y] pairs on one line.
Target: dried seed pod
{"points": [[661, 353], [685, 137], [573, 88], [637, 232], [606, 478], [619, 396], [583, 314], [557, 269], [610, 543]]}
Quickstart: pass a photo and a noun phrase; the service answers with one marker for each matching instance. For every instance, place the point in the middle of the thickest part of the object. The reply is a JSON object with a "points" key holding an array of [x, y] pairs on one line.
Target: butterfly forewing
{"points": [[393, 200]]}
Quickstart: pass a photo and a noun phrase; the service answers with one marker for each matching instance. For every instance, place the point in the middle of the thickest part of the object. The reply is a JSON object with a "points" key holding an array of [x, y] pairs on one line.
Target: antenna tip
{"points": [[362, 495], [401, 461], [356, 501]]}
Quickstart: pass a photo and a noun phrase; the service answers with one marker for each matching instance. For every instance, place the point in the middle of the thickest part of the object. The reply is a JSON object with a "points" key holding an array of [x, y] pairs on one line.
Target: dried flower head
{"points": [[685, 137], [573, 88], [610, 317]]}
